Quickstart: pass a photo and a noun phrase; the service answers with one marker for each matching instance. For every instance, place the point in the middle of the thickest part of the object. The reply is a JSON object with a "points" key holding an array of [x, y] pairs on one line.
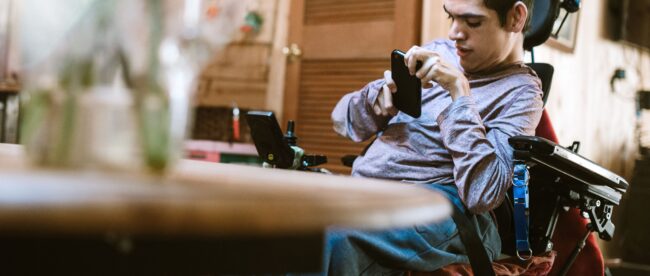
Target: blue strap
{"points": [[520, 193]]}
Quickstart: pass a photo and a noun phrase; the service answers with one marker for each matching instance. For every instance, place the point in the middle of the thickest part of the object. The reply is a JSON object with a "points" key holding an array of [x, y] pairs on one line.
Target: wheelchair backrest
{"points": [[544, 13]]}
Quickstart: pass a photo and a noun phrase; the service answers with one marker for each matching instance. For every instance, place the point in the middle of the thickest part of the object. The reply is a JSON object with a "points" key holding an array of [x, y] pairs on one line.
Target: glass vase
{"points": [[115, 91]]}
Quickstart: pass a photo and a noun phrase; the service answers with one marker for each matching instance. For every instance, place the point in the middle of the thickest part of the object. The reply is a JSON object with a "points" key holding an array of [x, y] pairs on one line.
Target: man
{"points": [[477, 93]]}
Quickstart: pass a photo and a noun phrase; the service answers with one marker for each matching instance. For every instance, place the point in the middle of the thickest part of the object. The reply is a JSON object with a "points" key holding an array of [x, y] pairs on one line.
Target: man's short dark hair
{"points": [[503, 6]]}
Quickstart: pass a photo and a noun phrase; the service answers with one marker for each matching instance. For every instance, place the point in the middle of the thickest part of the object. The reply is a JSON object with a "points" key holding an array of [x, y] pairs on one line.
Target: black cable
{"points": [[566, 15], [575, 252], [532, 55]]}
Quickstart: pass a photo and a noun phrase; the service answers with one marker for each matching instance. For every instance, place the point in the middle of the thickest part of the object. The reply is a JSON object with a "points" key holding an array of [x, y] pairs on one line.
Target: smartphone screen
{"points": [[408, 97]]}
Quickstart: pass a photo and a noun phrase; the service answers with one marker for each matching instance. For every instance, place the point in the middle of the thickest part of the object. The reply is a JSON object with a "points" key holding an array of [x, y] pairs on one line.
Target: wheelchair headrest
{"points": [[544, 14]]}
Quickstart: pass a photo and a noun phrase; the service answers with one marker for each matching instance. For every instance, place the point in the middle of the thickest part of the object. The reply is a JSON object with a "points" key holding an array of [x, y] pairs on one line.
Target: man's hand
{"points": [[435, 69], [383, 105]]}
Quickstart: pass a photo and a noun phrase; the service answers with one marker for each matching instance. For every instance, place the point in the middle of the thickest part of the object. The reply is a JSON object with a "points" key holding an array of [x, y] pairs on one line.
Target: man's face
{"points": [[481, 42]]}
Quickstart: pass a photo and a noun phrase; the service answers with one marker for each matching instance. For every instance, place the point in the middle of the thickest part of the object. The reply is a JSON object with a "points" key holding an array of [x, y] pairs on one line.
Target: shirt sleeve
{"points": [[481, 154], [354, 117]]}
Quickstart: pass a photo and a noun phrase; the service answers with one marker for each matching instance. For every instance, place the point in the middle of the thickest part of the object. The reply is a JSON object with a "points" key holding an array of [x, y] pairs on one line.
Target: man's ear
{"points": [[517, 16]]}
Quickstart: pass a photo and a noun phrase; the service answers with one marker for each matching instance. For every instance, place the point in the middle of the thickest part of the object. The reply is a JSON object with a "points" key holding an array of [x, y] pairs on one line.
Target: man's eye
{"points": [[473, 24]]}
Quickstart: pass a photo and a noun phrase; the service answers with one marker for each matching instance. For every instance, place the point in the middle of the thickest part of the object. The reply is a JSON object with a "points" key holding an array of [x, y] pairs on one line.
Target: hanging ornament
{"points": [[252, 23], [212, 11]]}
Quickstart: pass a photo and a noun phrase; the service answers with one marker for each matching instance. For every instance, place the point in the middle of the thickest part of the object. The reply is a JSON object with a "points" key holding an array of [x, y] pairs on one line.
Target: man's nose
{"points": [[456, 32]]}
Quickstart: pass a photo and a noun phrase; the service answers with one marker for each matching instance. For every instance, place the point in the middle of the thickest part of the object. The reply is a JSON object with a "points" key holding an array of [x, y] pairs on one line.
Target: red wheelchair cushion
{"points": [[538, 265]]}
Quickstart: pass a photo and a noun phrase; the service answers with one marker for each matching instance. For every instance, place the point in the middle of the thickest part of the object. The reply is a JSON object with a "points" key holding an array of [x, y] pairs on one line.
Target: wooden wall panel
{"points": [[348, 40], [342, 11], [323, 83]]}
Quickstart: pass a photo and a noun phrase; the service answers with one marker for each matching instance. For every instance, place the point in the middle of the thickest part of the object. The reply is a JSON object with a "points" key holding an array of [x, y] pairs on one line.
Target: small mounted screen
{"points": [[269, 140]]}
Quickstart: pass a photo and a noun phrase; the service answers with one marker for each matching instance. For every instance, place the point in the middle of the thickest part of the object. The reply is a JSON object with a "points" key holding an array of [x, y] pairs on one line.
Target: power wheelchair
{"points": [[554, 181]]}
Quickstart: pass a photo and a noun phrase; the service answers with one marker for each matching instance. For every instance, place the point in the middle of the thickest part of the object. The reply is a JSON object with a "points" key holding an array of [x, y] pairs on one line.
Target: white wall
{"points": [[582, 105]]}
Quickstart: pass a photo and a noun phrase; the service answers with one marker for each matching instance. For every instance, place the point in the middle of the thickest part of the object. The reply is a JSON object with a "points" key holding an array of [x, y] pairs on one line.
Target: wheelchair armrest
{"points": [[542, 151]]}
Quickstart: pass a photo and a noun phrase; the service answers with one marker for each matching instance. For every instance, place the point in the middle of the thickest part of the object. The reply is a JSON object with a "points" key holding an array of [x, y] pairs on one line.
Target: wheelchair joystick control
{"points": [[290, 137], [307, 160]]}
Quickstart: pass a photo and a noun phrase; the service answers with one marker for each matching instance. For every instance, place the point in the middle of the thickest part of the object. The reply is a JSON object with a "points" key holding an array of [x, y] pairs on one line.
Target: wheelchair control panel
{"points": [[560, 179], [278, 150]]}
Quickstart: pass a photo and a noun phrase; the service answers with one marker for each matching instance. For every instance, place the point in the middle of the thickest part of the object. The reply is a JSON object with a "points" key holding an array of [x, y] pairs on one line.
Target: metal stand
{"points": [[576, 251]]}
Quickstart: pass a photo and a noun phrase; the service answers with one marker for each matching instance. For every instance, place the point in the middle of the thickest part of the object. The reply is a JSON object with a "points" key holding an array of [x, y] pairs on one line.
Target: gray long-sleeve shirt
{"points": [[463, 141]]}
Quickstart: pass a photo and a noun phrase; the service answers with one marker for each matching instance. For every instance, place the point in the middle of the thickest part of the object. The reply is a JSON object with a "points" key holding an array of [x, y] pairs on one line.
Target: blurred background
{"points": [[298, 57]]}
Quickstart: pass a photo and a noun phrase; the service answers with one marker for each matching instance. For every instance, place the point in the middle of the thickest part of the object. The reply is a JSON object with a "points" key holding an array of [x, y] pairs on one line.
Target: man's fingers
{"points": [[409, 53], [431, 74], [376, 109], [388, 101], [384, 104], [392, 111], [388, 77], [412, 62], [408, 58], [426, 67], [423, 56], [388, 98]]}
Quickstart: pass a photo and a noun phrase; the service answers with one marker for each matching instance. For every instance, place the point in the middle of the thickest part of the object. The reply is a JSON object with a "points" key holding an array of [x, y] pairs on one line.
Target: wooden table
{"points": [[203, 218]]}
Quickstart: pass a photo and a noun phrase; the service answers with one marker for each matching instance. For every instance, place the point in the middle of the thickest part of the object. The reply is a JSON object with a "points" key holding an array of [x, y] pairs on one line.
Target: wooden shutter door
{"points": [[344, 44]]}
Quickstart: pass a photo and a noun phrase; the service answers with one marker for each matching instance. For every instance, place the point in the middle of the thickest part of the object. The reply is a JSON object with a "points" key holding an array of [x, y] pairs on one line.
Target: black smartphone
{"points": [[408, 97], [269, 140]]}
